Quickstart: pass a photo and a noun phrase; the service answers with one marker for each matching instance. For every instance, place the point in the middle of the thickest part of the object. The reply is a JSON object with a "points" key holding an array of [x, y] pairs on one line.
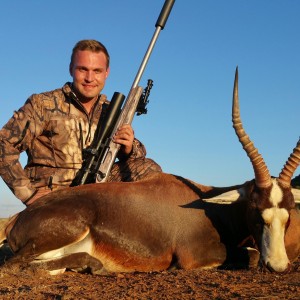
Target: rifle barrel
{"points": [[160, 23]]}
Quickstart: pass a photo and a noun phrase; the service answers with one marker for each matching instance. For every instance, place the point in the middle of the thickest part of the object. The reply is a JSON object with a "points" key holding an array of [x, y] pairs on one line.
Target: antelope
{"points": [[165, 222]]}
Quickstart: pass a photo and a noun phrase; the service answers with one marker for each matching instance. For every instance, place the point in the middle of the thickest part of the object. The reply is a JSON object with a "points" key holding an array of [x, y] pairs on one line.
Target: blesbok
{"points": [[164, 222]]}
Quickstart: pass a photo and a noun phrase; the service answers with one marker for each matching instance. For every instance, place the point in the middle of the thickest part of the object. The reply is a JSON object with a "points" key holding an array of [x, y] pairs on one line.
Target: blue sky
{"points": [[188, 128]]}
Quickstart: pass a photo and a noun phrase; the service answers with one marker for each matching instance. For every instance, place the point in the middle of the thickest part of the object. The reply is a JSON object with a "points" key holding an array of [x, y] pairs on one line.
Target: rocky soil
{"points": [[18, 283]]}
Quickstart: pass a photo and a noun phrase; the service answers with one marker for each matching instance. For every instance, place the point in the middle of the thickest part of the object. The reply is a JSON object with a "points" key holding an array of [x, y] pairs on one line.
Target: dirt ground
{"points": [[179, 284]]}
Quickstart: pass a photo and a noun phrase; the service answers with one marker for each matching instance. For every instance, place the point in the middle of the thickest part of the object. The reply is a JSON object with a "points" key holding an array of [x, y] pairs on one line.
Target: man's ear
{"points": [[70, 70], [107, 72]]}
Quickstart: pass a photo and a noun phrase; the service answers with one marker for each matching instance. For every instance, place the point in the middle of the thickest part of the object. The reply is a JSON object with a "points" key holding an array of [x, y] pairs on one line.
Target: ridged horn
{"points": [[262, 175], [290, 166]]}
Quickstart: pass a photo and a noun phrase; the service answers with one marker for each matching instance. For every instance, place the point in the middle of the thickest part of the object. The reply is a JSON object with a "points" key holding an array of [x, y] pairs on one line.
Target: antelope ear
{"points": [[296, 193], [229, 197]]}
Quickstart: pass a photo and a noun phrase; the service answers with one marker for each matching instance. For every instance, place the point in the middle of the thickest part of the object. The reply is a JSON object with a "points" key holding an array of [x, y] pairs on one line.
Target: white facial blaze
{"points": [[276, 193], [273, 248]]}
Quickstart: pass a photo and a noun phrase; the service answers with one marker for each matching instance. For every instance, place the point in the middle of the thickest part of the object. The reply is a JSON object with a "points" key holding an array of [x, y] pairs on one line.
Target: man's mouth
{"points": [[89, 86]]}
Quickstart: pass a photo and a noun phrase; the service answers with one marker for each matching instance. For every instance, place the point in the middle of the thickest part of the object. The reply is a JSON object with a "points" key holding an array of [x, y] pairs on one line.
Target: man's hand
{"points": [[124, 136]]}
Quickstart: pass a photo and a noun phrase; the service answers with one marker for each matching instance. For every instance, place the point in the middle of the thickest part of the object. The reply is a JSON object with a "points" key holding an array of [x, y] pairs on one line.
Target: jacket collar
{"points": [[70, 94]]}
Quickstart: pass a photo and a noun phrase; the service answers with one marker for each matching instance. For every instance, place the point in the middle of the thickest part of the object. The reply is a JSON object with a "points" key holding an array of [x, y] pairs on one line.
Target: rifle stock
{"points": [[126, 117]]}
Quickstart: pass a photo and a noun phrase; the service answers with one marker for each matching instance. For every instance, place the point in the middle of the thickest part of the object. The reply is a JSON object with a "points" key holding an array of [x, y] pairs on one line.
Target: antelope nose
{"points": [[271, 269]]}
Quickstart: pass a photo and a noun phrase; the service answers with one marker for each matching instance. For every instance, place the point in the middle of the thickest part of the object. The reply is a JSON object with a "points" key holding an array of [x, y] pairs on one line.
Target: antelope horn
{"points": [[262, 175], [290, 166]]}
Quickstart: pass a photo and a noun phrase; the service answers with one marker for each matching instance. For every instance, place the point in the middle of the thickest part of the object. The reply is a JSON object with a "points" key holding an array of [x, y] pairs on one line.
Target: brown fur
{"points": [[149, 225]]}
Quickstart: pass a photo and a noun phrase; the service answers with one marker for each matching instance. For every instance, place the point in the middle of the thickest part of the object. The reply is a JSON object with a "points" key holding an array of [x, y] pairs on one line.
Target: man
{"points": [[54, 127]]}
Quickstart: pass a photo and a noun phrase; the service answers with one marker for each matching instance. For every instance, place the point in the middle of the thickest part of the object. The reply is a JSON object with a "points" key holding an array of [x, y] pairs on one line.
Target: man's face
{"points": [[89, 71]]}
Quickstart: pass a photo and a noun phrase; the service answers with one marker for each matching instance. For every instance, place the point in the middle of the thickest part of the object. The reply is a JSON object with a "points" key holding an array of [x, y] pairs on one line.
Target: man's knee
{"points": [[133, 170]]}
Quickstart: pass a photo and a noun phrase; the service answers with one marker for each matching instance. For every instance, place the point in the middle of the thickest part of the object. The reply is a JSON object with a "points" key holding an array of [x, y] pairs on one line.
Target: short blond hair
{"points": [[90, 45]]}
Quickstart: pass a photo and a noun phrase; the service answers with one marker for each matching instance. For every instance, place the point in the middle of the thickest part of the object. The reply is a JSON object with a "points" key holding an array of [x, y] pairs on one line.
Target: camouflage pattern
{"points": [[133, 169], [53, 128]]}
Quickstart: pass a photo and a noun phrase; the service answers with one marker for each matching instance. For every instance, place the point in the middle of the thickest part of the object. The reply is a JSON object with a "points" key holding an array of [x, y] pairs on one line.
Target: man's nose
{"points": [[89, 76]]}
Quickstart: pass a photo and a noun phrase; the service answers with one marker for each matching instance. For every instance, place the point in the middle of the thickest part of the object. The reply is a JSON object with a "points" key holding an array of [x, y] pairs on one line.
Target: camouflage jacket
{"points": [[53, 128]]}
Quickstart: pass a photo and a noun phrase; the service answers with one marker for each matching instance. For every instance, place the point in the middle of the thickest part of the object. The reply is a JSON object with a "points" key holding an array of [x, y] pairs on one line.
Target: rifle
{"points": [[99, 158]]}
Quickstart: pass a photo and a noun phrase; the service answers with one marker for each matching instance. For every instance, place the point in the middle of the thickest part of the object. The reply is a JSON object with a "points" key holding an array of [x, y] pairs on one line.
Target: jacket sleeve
{"points": [[16, 137], [138, 151]]}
